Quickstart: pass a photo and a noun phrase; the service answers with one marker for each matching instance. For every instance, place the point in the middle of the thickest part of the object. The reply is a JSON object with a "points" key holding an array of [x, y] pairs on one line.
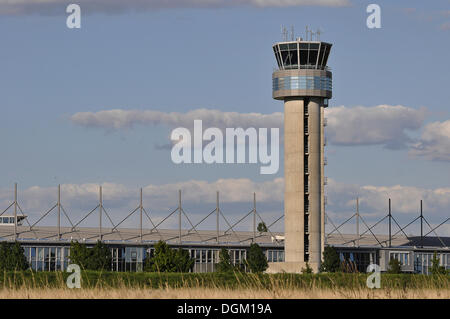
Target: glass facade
{"points": [[275, 255], [302, 55], [302, 83], [47, 258], [128, 258], [131, 258], [403, 258], [423, 262], [207, 258], [357, 261]]}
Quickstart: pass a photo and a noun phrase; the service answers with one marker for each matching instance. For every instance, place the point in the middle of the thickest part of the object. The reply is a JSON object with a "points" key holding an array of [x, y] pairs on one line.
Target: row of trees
{"points": [[165, 259]]}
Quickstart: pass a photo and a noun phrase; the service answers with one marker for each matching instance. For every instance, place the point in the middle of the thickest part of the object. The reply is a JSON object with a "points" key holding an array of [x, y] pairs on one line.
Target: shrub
{"points": [[331, 261], [12, 257], [224, 264], [166, 259], [100, 257], [256, 260], [183, 261], [395, 266], [436, 269], [79, 254], [95, 258]]}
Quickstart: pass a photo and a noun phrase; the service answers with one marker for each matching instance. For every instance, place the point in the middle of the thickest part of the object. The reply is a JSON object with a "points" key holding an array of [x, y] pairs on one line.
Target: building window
{"points": [[403, 258]]}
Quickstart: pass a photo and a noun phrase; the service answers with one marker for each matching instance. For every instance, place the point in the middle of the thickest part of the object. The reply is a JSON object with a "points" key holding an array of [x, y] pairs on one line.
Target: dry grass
{"points": [[210, 293], [22, 285]]}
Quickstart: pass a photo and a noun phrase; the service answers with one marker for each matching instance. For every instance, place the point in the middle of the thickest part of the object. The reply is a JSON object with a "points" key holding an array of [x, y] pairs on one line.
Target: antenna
{"points": [[284, 33], [292, 33], [318, 33], [311, 36]]}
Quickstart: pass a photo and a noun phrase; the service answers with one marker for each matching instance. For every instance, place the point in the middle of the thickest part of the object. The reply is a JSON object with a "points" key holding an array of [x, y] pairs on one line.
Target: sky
{"points": [[96, 105]]}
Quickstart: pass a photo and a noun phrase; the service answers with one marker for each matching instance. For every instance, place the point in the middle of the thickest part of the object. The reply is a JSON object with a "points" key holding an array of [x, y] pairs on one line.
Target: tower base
{"points": [[290, 267]]}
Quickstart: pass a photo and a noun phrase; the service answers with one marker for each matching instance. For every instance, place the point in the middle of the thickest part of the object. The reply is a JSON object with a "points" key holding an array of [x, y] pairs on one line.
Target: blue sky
{"points": [[189, 56]]}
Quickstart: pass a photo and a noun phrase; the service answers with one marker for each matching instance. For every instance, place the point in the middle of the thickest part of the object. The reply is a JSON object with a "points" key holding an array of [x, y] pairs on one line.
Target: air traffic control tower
{"points": [[303, 82]]}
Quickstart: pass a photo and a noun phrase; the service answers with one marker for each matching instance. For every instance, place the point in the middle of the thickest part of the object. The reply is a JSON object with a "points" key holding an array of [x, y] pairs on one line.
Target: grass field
{"points": [[202, 293], [214, 285]]}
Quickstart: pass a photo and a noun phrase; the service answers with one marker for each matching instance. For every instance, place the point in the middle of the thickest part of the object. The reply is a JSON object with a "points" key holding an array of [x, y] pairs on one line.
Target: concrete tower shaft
{"points": [[304, 82]]}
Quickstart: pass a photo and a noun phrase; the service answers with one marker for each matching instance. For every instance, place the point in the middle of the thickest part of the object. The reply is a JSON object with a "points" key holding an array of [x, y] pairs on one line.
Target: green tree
{"points": [[19, 260], [436, 269], [262, 228], [166, 259], [163, 259], [95, 258], [331, 261], [224, 264], [99, 257], [79, 254], [183, 261], [395, 266], [12, 257], [256, 260]]}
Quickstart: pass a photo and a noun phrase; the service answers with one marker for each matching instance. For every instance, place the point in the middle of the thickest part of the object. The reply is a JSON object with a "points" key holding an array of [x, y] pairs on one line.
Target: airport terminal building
{"points": [[44, 251]]}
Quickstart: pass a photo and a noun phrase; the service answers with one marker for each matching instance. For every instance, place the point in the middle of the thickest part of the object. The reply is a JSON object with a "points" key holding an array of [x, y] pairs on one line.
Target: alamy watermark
{"points": [[74, 280], [373, 280], [74, 19], [233, 150], [374, 19]]}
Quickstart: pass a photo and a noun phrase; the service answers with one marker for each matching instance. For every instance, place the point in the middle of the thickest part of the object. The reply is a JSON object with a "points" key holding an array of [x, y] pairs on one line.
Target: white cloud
{"points": [[159, 200], [374, 200], [434, 143], [231, 190], [383, 124], [20, 7], [195, 191], [120, 119], [373, 206]]}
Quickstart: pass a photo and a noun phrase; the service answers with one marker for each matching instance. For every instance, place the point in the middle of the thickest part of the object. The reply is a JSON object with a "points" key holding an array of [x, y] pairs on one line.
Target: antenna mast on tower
{"points": [[284, 33]]}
